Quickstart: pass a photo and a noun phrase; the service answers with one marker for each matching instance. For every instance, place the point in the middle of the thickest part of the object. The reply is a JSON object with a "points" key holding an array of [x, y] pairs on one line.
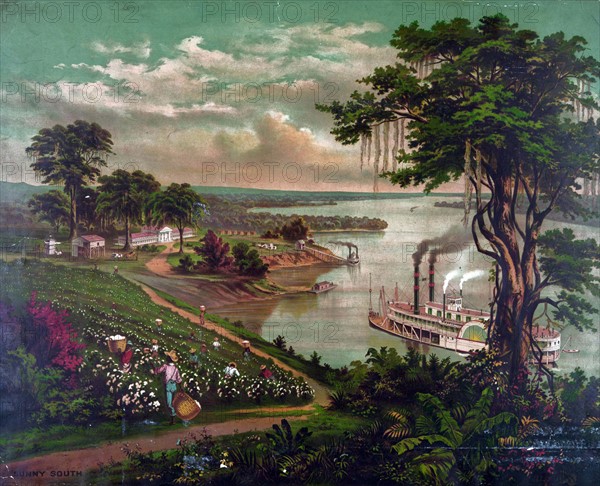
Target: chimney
{"points": [[431, 283], [444, 308], [416, 310]]}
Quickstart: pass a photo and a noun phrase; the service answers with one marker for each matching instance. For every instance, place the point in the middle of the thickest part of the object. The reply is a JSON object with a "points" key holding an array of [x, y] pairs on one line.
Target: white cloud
{"points": [[140, 50]]}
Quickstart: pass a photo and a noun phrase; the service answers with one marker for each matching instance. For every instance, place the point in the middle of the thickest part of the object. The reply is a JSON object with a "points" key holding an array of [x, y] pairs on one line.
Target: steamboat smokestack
{"points": [[444, 308], [431, 283], [416, 288]]}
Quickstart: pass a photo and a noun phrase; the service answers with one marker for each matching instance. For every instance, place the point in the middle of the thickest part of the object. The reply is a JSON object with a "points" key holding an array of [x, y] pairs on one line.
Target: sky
{"points": [[219, 93]]}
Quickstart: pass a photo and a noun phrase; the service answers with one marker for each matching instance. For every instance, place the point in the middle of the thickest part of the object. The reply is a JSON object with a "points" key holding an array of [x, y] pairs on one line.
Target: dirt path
{"points": [[160, 266], [321, 393], [79, 461]]}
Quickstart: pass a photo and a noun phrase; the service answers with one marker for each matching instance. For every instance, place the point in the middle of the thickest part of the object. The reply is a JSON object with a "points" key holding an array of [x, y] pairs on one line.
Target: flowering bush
{"points": [[56, 342]]}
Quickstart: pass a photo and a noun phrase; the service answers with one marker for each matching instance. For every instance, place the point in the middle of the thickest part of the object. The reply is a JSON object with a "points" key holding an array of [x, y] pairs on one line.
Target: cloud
{"points": [[141, 49], [199, 105]]}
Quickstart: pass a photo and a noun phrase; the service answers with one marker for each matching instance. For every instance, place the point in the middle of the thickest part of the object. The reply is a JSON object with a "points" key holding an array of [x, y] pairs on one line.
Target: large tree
{"points": [[52, 207], [509, 112], [71, 156], [123, 196], [178, 205]]}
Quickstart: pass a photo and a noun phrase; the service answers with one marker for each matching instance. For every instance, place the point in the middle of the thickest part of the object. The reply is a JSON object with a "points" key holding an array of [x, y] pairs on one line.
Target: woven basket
{"points": [[185, 406], [117, 345]]}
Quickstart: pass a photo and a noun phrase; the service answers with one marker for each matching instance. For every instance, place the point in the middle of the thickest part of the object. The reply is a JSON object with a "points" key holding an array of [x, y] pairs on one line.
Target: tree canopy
{"points": [[179, 205], [510, 113], [52, 207], [122, 197], [71, 155]]}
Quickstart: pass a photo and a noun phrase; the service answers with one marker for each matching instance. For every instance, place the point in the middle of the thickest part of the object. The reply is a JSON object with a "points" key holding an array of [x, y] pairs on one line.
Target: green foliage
{"points": [[248, 261], [36, 383], [71, 155], [580, 396], [466, 446], [315, 358], [122, 196], [52, 207], [295, 229], [186, 263], [177, 205], [280, 342], [285, 442], [568, 263]]}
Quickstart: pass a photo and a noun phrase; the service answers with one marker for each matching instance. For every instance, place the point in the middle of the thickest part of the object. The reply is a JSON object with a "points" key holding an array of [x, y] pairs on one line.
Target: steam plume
{"points": [[469, 276], [449, 277]]}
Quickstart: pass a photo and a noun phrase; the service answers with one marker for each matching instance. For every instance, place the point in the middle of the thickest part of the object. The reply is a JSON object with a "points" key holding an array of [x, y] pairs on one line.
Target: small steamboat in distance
{"points": [[446, 324], [321, 287], [353, 258]]}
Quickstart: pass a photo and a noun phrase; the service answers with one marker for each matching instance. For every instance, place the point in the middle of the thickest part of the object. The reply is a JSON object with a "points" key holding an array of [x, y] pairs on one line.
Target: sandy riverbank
{"points": [[215, 294]]}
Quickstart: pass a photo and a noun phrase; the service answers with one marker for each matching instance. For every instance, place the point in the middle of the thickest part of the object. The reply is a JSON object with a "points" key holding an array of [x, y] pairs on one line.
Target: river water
{"points": [[334, 324]]}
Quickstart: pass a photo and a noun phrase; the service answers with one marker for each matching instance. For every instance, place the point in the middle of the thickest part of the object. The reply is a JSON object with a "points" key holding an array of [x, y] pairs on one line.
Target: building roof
{"points": [[91, 238], [135, 236]]}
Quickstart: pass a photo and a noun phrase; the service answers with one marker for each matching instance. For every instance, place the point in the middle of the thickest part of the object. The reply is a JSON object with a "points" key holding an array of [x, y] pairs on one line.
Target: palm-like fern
{"points": [[285, 442], [453, 444]]}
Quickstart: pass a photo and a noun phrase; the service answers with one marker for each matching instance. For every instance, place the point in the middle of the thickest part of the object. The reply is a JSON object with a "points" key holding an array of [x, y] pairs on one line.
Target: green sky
{"points": [[218, 93]]}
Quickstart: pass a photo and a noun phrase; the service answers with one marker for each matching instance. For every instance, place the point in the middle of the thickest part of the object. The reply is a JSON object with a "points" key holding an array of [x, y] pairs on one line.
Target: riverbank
{"points": [[227, 291]]}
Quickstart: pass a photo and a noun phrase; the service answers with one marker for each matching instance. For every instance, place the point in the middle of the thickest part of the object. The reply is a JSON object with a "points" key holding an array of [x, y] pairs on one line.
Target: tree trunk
{"points": [[180, 239], [73, 214], [127, 246], [510, 326]]}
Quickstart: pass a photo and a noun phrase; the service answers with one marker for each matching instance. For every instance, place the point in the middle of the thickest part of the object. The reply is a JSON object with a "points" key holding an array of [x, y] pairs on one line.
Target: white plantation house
{"points": [[151, 235]]}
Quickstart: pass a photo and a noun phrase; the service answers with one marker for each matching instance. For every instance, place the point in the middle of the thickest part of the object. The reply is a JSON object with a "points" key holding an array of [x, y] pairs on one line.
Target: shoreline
{"points": [[161, 275]]}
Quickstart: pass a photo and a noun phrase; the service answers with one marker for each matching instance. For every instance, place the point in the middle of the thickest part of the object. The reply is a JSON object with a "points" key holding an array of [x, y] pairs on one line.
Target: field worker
{"points": [[171, 378], [126, 357], [194, 358], [265, 373], [216, 344], [231, 370], [246, 352]]}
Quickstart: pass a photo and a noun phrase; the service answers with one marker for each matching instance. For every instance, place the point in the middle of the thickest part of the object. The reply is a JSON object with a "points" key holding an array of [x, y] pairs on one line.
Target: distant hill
{"points": [[22, 192]]}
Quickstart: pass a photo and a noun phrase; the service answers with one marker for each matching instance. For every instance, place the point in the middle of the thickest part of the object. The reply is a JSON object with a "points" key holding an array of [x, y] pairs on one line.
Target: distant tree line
{"points": [[233, 214]]}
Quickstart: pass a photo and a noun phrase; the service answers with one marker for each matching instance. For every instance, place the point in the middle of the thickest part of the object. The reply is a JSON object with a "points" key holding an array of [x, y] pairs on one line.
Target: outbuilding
{"points": [[88, 246]]}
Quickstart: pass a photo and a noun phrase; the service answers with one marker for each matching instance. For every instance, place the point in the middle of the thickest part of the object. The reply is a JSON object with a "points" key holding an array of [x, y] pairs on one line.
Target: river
{"points": [[334, 324]]}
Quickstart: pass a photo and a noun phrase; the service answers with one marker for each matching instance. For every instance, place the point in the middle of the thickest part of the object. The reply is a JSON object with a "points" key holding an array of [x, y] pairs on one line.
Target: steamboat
{"points": [[447, 324]]}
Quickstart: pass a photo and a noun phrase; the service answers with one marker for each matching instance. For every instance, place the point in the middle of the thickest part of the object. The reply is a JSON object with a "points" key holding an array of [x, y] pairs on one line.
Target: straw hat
{"points": [[263, 367], [245, 342], [233, 364], [155, 341], [158, 321], [173, 355], [216, 339], [192, 350]]}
